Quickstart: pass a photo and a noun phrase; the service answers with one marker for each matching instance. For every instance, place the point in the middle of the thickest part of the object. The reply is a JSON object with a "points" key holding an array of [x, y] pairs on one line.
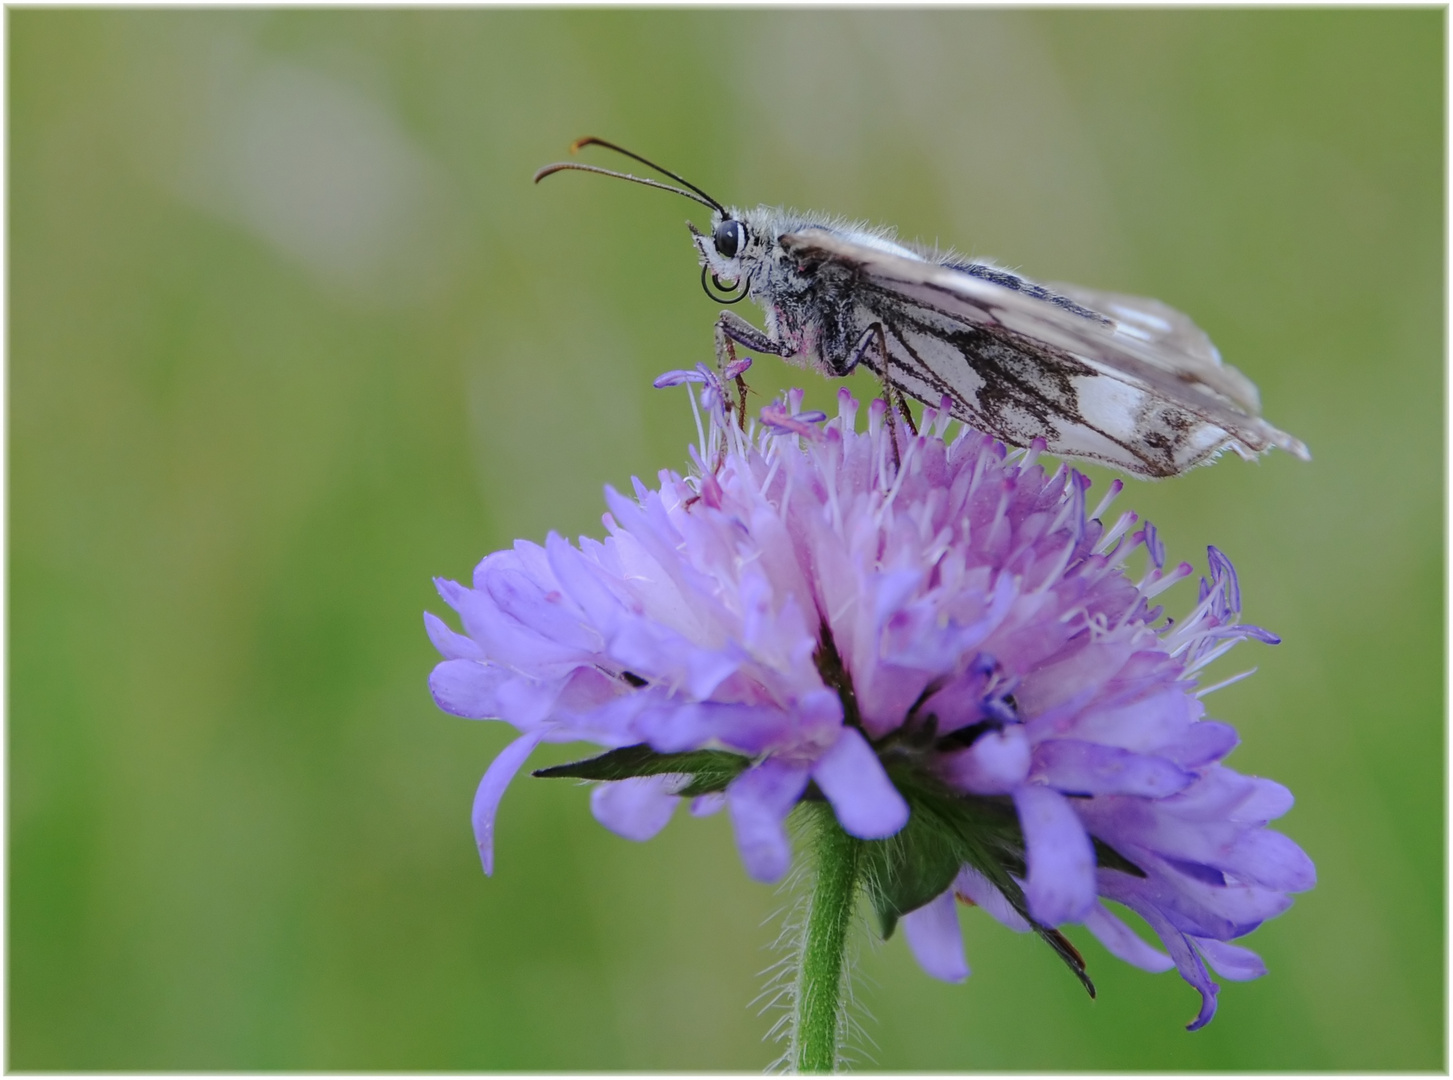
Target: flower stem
{"points": [[829, 917]]}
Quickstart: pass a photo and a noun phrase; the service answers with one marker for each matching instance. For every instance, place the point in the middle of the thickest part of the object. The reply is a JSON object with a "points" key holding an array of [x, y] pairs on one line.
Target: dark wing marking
{"points": [[1015, 283], [1177, 405]]}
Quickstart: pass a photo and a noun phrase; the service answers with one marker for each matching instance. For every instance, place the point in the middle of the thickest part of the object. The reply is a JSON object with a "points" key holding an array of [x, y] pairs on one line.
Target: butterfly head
{"points": [[729, 254]]}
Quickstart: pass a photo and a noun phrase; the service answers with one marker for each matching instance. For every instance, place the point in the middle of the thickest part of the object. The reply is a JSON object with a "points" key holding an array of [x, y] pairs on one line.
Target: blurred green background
{"points": [[291, 331]]}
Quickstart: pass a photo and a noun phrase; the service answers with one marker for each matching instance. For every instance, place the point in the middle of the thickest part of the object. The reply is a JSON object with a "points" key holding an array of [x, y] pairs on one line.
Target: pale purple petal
{"points": [[1202, 743], [525, 702], [503, 638], [1061, 883], [541, 607], [1087, 768], [584, 581], [1271, 860], [979, 890], [865, 801], [468, 688], [1187, 962], [637, 808], [1124, 943], [995, 764], [1267, 801], [452, 646], [671, 726], [933, 935], [649, 648], [758, 802], [706, 805], [1231, 961], [1192, 906], [492, 788]]}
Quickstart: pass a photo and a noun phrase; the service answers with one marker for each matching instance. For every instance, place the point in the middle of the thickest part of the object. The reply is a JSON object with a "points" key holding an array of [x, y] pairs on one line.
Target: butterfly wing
{"points": [[1167, 339], [1117, 379]]}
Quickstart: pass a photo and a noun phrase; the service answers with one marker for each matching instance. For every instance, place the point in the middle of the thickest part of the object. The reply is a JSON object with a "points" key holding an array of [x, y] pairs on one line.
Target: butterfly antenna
{"points": [[590, 140]]}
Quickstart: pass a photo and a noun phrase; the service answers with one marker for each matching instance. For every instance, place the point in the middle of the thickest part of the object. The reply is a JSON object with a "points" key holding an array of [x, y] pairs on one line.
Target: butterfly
{"points": [[1121, 380]]}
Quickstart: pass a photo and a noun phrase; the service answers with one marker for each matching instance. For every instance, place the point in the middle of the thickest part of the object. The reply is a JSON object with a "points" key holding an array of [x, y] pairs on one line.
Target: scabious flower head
{"points": [[935, 637]]}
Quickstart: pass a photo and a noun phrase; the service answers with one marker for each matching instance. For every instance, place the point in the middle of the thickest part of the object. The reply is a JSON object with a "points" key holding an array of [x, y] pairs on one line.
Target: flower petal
{"points": [[1124, 943], [980, 891], [1272, 860], [452, 645], [867, 804], [1087, 768], [708, 804], [492, 788], [538, 605], [637, 808], [1188, 963], [1231, 961], [1061, 883], [995, 764], [1203, 742], [933, 935], [671, 726], [758, 802], [584, 581], [467, 688]]}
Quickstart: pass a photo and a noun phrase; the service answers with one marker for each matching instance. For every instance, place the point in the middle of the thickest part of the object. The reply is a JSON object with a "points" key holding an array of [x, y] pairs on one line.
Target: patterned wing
{"points": [[1116, 379]]}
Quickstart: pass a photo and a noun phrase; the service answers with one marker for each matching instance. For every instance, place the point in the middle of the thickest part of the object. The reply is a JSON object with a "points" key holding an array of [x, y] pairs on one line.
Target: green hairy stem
{"points": [[821, 976]]}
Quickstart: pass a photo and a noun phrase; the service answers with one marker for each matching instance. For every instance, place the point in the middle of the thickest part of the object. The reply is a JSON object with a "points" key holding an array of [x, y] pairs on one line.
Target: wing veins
{"points": [[1231, 419], [1026, 391]]}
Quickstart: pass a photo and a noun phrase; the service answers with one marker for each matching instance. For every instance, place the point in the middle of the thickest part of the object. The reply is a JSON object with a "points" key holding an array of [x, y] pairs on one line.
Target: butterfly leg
{"points": [[871, 337], [731, 327]]}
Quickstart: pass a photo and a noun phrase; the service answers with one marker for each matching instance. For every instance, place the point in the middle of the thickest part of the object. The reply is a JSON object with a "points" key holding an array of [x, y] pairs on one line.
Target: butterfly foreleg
{"points": [[731, 327]]}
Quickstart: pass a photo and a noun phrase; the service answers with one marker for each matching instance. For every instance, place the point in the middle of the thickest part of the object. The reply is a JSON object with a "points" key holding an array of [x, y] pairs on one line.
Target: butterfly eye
{"points": [[729, 238]]}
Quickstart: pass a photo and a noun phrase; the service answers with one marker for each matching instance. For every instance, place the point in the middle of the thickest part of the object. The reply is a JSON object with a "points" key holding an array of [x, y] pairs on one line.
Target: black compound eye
{"points": [[729, 238]]}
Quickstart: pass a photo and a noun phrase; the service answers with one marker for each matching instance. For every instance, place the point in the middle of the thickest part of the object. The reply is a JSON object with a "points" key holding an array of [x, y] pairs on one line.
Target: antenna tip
{"points": [[584, 140], [540, 174]]}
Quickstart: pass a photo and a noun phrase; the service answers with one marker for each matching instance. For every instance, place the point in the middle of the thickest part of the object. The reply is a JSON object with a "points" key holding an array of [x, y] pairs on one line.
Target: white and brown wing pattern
{"points": [[1116, 379]]}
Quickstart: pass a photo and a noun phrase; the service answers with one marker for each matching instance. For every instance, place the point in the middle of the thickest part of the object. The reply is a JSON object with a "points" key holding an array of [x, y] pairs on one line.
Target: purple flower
{"points": [[941, 643]]}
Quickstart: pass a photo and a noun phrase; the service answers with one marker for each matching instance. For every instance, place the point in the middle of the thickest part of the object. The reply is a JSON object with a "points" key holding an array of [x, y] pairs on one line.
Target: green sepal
{"points": [[710, 770], [911, 867], [947, 830]]}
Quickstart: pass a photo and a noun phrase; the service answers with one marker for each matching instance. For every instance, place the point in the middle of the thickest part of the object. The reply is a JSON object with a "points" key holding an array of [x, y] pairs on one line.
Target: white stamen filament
{"points": [[1225, 683]]}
